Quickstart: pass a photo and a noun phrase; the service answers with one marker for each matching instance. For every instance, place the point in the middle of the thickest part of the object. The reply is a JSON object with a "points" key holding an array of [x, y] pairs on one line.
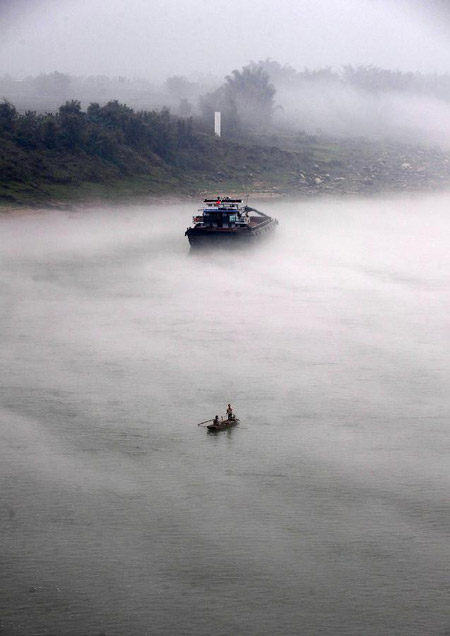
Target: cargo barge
{"points": [[228, 222]]}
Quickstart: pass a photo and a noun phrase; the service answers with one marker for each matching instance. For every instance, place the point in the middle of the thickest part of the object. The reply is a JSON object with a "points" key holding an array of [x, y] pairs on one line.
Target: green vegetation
{"points": [[112, 151], [246, 101], [370, 79]]}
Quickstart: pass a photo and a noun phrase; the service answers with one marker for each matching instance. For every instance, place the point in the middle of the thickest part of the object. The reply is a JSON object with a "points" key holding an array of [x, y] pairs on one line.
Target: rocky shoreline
{"points": [[369, 170], [350, 167], [324, 167]]}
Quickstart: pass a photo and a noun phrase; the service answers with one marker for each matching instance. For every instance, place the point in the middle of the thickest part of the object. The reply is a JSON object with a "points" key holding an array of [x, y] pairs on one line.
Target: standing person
{"points": [[229, 412]]}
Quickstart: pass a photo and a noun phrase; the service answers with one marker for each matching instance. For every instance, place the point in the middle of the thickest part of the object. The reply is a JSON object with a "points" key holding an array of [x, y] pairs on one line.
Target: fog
{"points": [[158, 39], [149, 42], [326, 509], [327, 505], [343, 111]]}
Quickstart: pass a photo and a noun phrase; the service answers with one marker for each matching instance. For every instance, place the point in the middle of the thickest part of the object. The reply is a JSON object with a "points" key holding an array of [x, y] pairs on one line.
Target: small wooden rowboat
{"points": [[220, 426]]}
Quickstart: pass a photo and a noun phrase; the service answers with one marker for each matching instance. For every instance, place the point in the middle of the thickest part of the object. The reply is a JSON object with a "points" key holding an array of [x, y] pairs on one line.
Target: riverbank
{"points": [[274, 166]]}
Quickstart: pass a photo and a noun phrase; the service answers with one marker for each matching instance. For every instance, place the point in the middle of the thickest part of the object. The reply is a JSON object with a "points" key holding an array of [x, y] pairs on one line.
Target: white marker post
{"points": [[217, 123]]}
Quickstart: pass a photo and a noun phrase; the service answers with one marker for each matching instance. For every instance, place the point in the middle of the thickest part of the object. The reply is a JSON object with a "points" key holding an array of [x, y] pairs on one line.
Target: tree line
{"points": [[246, 101], [368, 78], [100, 131], [177, 87]]}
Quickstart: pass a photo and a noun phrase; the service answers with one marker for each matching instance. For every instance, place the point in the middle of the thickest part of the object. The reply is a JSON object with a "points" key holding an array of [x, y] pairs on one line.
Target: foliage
{"points": [[374, 79], [178, 87], [52, 83], [185, 107], [246, 101], [251, 91], [71, 124], [101, 130], [8, 116], [111, 148], [104, 143], [27, 130], [221, 100], [365, 78]]}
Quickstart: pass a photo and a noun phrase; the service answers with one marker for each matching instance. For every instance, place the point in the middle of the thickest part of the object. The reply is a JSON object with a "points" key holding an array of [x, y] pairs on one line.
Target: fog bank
{"points": [[336, 110]]}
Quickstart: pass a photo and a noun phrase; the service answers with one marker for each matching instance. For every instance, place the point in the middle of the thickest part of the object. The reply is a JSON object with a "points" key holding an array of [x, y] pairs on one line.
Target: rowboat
{"points": [[220, 426]]}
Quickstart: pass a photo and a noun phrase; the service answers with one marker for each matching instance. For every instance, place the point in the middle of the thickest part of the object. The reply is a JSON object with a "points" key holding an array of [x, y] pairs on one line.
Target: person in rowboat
{"points": [[216, 420], [230, 412]]}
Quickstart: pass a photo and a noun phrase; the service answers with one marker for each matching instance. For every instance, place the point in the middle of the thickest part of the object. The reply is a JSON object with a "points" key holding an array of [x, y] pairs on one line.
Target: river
{"points": [[325, 512]]}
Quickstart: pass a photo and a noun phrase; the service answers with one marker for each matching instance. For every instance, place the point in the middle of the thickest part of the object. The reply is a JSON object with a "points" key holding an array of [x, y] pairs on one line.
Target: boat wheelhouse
{"points": [[228, 221]]}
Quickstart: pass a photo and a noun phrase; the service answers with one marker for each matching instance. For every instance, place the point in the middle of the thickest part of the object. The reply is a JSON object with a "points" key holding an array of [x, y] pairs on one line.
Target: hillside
{"points": [[112, 153]]}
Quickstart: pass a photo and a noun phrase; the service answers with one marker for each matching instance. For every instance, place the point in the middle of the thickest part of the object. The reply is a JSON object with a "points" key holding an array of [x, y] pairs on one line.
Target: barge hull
{"points": [[215, 237]]}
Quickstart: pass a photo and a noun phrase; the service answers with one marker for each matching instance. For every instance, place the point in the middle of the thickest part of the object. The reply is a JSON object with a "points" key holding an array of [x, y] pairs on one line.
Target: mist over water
{"points": [[324, 512]]}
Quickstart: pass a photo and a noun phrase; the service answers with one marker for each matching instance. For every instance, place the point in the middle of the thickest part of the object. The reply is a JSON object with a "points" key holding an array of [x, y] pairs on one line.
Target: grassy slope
{"points": [[34, 177], [264, 164]]}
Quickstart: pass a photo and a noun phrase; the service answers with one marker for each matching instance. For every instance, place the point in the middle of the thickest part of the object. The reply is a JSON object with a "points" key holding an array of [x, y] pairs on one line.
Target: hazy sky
{"points": [[157, 38]]}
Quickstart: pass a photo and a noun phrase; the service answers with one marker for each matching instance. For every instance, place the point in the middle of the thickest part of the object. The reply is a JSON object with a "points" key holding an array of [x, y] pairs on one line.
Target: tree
{"points": [[28, 130], [94, 113], [184, 108], [71, 123], [278, 74], [221, 100], [49, 131], [178, 87], [8, 116], [53, 83], [251, 91], [246, 101]]}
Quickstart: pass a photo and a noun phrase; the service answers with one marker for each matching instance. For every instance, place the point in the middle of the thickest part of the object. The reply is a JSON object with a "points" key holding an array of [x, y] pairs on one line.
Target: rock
{"points": [[318, 180]]}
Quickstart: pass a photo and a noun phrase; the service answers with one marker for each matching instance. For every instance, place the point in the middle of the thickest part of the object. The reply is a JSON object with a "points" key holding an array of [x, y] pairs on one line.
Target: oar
{"points": [[205, 422]]}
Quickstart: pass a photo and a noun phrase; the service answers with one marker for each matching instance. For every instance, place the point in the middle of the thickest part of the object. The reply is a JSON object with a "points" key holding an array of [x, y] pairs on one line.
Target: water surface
{"points": [[325, 512]]}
